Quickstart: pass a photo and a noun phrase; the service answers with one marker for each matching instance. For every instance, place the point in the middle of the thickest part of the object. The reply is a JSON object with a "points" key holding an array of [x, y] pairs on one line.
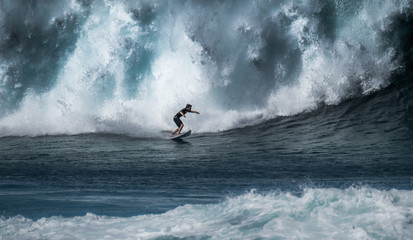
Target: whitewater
{"points": [[317, 214], [126, 67], [305, 131]]}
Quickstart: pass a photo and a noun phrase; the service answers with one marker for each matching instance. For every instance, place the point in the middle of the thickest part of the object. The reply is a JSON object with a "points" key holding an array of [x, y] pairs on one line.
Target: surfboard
{"points": [[182, 135]]}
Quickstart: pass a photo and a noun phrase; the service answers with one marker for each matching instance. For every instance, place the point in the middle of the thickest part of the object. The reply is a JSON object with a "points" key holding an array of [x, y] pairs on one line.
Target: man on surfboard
{"points": [[177, 117]]}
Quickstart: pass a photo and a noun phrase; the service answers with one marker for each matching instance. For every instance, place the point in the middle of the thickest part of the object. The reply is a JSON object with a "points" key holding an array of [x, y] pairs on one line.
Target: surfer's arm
{"points": [[194, 112], [182, 113]]}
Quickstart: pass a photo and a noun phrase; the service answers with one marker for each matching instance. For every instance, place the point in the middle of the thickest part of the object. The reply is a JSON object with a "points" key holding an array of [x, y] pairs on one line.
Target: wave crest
{"points": [[128, 67], [358, 213]]}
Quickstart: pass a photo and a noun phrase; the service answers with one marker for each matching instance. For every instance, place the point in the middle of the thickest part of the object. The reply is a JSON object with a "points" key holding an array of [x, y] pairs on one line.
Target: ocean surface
{"points": [[305, 131]]}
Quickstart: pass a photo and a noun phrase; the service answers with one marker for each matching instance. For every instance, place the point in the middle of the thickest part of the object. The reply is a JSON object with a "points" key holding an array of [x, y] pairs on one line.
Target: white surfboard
{"points": [[182, 135]]}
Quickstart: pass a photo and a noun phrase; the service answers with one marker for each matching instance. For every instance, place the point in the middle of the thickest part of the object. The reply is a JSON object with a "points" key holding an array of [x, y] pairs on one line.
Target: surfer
{"points": [[177, 117]]}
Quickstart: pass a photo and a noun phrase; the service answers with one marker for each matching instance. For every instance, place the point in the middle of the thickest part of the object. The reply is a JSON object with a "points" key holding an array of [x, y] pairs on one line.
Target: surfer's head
{"points": [[188, 106]]}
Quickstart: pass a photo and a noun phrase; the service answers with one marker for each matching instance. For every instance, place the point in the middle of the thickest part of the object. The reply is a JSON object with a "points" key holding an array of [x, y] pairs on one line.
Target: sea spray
{"points": [[127, 67], [357, 213]]}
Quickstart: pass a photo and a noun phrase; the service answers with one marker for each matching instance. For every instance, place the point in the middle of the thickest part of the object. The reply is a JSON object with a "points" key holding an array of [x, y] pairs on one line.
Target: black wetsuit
{"points": [[178, 121]]}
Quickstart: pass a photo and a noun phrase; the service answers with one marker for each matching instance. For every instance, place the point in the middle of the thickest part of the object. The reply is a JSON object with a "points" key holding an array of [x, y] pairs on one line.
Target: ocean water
{"points": [[305, 131]]}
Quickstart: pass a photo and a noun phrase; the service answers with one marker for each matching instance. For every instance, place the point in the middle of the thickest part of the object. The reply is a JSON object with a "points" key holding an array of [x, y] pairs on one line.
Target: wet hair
{"points": [[188, 106]]}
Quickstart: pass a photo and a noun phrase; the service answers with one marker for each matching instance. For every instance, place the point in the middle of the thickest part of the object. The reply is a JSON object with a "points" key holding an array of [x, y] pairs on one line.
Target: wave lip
{"points": [[129, 66], [353, 213]]}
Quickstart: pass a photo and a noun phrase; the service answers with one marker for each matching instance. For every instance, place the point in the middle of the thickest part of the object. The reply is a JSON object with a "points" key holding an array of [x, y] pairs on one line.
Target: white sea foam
{"points": [[243, 65], [353, 213]]}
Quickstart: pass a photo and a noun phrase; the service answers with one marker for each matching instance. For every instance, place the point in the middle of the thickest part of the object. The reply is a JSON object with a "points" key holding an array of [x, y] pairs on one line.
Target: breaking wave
{"points": [[128, 66], [355, 213]]}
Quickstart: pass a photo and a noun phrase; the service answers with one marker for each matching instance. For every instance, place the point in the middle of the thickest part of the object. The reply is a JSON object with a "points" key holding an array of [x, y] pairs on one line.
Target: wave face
{"points": [[128, 66], [355, 213]]}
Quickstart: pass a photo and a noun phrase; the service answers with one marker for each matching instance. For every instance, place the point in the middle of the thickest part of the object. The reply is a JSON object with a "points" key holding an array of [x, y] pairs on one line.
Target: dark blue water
{"points": [[119, 175]]}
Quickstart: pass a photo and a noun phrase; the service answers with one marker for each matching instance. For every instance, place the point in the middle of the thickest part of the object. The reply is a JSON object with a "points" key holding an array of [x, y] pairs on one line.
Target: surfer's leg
{"points": [[173, 133], [178, 123], [180, 128]]}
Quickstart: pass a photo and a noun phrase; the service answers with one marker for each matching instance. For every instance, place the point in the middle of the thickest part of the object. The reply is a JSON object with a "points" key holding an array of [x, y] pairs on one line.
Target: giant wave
{"points": [[127, 66]]}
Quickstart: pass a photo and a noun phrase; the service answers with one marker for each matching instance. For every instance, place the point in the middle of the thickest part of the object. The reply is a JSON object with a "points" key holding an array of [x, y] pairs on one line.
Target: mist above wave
{"points": [[127, 67]]}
